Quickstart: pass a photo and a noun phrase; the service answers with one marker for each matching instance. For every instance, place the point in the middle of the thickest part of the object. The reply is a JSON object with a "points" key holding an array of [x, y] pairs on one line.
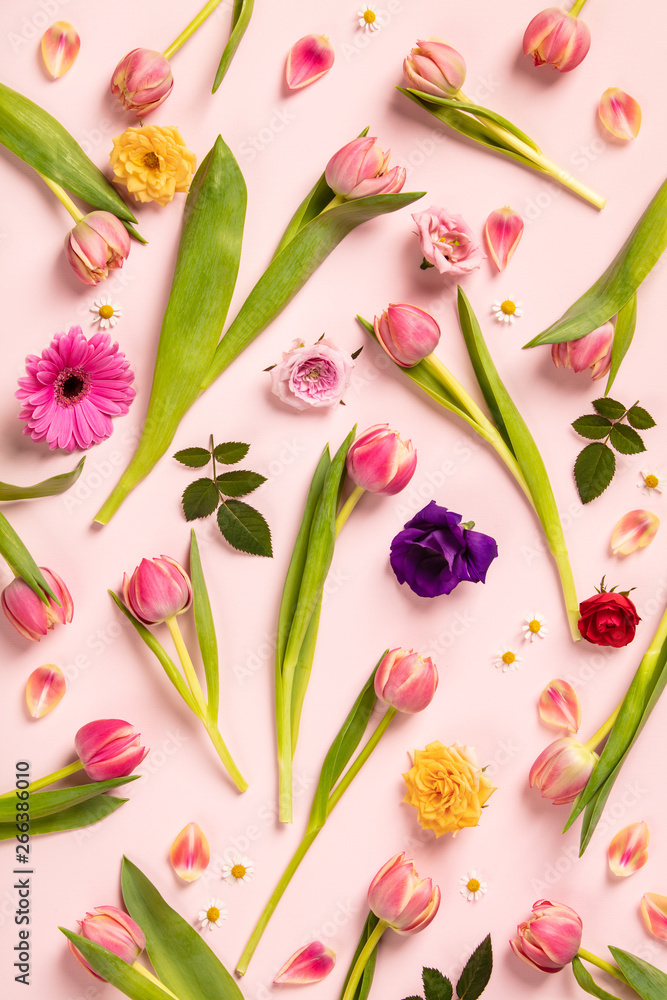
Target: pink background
{"points": [[282, 142]]}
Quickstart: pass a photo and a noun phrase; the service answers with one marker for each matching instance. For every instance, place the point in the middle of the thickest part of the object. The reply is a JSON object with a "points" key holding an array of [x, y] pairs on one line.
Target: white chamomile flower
{"points": [[213, 915], [106, 312], [241, 870], [507, 311], [368, 18], [650, 482], [472, 886], [506, 659], [535, 627]]}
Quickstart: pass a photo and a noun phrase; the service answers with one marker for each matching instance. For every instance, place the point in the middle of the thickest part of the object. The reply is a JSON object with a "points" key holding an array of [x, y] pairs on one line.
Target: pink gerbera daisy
{"points": [[70, 394]]}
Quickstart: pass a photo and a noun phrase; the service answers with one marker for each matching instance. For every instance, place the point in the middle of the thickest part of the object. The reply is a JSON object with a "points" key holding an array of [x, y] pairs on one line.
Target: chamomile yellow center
{"points": [[534, 626], [369, 16], [106, 312], [213, 914], [508, 307], [508, 657], [151, 160], [652, 481], [473, 885], [238, 871]]}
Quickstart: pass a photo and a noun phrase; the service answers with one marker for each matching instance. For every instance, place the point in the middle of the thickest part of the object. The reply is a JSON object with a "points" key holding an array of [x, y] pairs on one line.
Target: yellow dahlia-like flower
{"points": [[152, 162], [447, 788]]}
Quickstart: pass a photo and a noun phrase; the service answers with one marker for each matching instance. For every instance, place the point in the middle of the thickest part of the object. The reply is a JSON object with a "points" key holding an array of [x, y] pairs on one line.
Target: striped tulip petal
{"points": [[503, 230], [559, 706], [620, 113], [635, 530], [307, 965], [628, 851], [308, 59], [45, 688], [60, 47], [654, 910], [190, 853]]}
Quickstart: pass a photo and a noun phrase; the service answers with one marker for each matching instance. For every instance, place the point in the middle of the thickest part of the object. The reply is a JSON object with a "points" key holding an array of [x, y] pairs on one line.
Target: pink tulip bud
{"points": [[310, 964], [109, 748], [158, 589], [44, 690], [562, 770], [359, 170], [28, 614], [407, 333], [558, 39], [60, 47], [398, 896], [654, 911], [628, 850], [190, 853], [503, 230], [380, 462], [550, 939], [435, 68], [98, 244], [114, 930], [620, 114], [593, 351], [142, 80], [635, 530], [559, 706], [406, 680], [308, 59]]}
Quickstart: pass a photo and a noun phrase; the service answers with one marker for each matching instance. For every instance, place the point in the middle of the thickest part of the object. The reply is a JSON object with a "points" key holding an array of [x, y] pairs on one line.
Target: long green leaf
{"points": [[302, 672], [626, 321], [47, 488], [240, 21], [179, 955], [208, 644], [613, 289], [366, 981], [21, 563], [47, 803], [83, 814], [644, 978], [479, 111], [587, 983], [114, 970]]}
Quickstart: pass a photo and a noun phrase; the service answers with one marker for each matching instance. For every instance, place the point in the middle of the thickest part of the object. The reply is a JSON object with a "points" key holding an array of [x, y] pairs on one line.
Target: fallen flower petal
{"points": [[310, 964], [60, 47], [654, 910], [45, 688], [628, 850], [190, 853], [620, 114], [635, 530], [503, 230], [308, 59], [559, 706]]}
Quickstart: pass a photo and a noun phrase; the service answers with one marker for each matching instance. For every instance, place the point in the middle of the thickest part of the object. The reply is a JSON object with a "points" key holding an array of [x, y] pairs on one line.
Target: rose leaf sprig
{"points": [[157, 592], [612, 424], [242, 525], [357, 186], [471, 983]]}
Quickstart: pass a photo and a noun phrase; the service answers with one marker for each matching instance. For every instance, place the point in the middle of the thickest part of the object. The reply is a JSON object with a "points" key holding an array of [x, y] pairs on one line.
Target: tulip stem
{"points": [[604, 730], [347, 508], [225, 756], [143, 971], [62, 197], [362, 961], [613, 970], [49, 779], [188, 667], [360, 760], [575, 9], [207, 9]]}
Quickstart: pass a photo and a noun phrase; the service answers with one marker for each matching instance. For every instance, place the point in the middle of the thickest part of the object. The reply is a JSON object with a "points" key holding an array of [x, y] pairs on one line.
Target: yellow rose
{"points": [[152, 162], [447, 788]]}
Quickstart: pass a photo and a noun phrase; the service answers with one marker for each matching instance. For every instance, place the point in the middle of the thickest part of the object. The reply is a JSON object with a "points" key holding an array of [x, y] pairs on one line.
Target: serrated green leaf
{"points": [[609, 408], [115, 970], [592, 426], [240, 21], [200, 499], [230, 452], [366, 981], [239, 482], [47, 488], [594, 470], [244, 528], [650, 983], [205, 627], [626, 440], [436, 986], [194, 458], [587, 983], [477, 972], [57, 800], [624, 331], [640, 418], [74, 818]]}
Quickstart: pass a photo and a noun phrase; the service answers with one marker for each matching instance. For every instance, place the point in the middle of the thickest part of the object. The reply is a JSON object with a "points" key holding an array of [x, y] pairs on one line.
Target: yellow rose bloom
{"points": [[152, 162], [447, 787]]}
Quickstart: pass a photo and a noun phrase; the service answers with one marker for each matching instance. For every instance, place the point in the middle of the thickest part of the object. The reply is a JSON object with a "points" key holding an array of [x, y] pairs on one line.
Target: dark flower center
{"points": [[151, 161], [71, 386]]}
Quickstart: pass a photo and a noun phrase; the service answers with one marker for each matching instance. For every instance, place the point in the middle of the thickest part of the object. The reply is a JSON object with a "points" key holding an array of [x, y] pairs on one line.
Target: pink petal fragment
{"points": [[559, 706], [634, 531], [654, 911], [308, 59], [503, 230], [628, 851], [60, 47], [190, 853], [45, 688], [620, 113], [310, 964]]}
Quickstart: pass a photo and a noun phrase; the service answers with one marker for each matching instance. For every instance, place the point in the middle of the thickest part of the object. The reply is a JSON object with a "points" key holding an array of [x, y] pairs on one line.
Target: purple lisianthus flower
{"points": [[317, 375], [434, 552]]}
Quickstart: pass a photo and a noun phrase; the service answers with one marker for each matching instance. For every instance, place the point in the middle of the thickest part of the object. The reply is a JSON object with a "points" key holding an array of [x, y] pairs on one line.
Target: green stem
{"points": [[575, 9], [362, 961], [360, 760], [50, 779], [347, 508], [207, 9], [188, 668], [225, 756], [62, 197], [143, 971], [604, 730], [613, 970]]}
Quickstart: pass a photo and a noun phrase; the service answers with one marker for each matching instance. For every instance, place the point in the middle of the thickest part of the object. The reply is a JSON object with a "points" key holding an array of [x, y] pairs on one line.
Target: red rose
{"points": [[608, 619]]}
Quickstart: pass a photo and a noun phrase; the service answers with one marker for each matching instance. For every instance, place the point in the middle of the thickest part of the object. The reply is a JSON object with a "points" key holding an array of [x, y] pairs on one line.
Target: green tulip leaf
{"points": [[115, 970], [47, 488], [77, 816], [240, 21], [47, 803], [624, 331], [208, 643], [21, 563], [650, 983], [587, 983]]}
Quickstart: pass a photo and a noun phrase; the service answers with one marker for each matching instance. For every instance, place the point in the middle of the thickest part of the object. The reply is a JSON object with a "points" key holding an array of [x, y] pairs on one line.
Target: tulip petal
{"points": [[310, 964], [620, 114], [654, 910], [45, 688], [308, 59], [190, 853], [559, 706], [60, 47], [635, 530], [628, 850], [503, 230]]}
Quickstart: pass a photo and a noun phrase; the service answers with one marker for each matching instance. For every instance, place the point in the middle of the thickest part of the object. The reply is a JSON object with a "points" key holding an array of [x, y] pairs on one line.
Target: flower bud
{"points": [[406, 680], [593, 351], [158, 589], [654, 911], [558, 39], [113, 929], [620, 114], [628, 850], [98, 244], [308, 59], [309, 964], [380, 462], [407, 333], [562, 770], [359, 170], [435, 68], [550, 939], [190, 853], [142, 80], [28, 614], [398, 896], [109, 748]]}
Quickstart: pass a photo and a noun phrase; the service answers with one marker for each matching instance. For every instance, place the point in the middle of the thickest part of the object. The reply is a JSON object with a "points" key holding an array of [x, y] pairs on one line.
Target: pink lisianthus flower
{"points": [[316, 375], [447, 242]]}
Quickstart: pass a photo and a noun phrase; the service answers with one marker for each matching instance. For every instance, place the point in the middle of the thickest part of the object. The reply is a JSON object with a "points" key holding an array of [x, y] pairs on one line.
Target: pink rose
{"points": [[317, 375], [447, 242]]}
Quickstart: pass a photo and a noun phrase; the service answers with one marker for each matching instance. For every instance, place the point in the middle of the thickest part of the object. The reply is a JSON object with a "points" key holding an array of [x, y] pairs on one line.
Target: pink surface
{"points": [[282, 143]]}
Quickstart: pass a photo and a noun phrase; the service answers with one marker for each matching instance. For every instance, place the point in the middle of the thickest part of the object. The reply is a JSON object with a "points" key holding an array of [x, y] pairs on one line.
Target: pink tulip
{"points": [[380, 462], [593, 351], [190, 853], [44, 690], [635, 530], [98, 244], [113, 929], [503, 230], [109, 748], [60, 47], [558, 39], [28, 614], [654, 911], [406, 680], [398, 896], [359, 170], [435, 68], [620, 114], [310, 964], [142, 80], [559, 706], [550, 939], [158, 589], [407, 333], [308, 59], [562, 770], [628, 850]]}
